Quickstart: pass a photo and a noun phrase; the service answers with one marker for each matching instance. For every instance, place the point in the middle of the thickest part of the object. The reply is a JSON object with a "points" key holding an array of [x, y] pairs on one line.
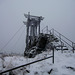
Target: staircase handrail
{"points": [[63, 40], [63, 36], [52, 31], [72, 45]]}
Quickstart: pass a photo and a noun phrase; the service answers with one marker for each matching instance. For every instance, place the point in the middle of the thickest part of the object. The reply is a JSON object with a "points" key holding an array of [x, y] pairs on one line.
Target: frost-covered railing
{"points": [[10, 70], [45, 30], [67, 41], [61, 37]]}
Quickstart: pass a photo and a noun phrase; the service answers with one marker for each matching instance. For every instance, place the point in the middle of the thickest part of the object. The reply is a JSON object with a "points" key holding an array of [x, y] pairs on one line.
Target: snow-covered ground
{"points": [[64, 64]]}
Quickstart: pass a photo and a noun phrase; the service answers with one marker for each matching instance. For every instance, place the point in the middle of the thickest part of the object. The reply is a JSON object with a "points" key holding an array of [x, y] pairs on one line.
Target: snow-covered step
{"points": [[62, 48]]}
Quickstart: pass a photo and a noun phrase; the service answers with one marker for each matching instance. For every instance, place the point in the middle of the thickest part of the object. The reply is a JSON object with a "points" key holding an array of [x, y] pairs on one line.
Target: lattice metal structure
{"points": [[33, 28]]}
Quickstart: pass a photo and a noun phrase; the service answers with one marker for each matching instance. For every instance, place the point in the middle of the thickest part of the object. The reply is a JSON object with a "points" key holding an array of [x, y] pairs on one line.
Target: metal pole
{"points": [[73, 46], [27, 36], [50, 35], [53, 31], [39, 25], [53, 56], [47, 29], [61, 46], [25, 65]]}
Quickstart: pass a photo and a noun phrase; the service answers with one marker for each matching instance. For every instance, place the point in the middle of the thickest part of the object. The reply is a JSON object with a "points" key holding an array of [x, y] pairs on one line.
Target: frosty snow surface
{"points": [[64, 64]]}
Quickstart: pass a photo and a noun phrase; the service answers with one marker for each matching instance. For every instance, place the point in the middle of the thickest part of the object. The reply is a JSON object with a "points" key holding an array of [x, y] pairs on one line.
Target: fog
{"points": [[58, 14]]}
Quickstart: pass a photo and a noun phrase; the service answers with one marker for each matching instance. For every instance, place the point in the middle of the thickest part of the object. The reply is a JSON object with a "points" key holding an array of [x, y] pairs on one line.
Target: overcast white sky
{"points": [[59, 14]]}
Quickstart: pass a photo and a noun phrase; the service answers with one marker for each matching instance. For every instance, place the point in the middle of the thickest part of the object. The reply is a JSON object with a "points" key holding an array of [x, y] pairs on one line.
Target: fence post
{"points": [[61, 43], [61, 46], [73, 46], [53, 56]]}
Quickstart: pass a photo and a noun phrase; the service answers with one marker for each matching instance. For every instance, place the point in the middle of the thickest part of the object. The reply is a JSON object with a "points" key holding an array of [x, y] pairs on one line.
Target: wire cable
{"points": [[19, 38], [11, 38]]}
